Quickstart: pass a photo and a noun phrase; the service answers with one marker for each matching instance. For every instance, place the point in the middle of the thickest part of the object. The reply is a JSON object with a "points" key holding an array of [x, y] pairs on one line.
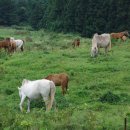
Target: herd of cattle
{"points": [[104, 41], [98, 41], [45, 87], [10, 44]]}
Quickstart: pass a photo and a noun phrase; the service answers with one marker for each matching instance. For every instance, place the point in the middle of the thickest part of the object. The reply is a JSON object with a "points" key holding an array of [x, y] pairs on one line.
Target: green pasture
{"points": [[99, 88]]}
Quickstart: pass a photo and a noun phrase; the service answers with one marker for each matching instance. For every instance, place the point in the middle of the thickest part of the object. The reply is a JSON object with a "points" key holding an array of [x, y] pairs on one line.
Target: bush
{"points": [[8, 91], [110, 97]]}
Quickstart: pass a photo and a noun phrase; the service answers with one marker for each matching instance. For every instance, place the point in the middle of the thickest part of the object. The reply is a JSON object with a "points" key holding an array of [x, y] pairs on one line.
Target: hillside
{"points": [[98, 97]]}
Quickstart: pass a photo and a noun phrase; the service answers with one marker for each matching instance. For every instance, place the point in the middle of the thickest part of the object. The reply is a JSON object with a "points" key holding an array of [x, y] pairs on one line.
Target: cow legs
{"points": [[54, 104], [110, 45], [21, 103], [28, 110], [14, 49], [64, 88], [106, 49], [47, 103], [22, 48], [99, 50]]}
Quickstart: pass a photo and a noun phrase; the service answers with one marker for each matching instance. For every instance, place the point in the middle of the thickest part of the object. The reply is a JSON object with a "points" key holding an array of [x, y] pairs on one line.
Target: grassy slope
{"points": [[90, 79]]}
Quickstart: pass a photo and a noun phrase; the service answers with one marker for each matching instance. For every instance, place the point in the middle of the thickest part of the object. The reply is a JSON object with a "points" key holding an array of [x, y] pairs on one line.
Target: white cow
{"points": [[35, 89], [100, 41], [19, 43]]}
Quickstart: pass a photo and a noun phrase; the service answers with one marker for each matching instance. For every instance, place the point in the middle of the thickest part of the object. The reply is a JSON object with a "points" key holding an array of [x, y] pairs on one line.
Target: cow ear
{"points": [[25, 81]]}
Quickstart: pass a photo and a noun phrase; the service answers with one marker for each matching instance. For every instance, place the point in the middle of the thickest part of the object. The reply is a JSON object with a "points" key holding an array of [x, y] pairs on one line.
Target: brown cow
{"points": [[61, 79], [12, 45], [76, 43], [8, 45], [119, 35], [5, 44]]}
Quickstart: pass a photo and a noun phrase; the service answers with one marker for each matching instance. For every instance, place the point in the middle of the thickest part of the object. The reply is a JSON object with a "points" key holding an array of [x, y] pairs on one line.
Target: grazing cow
{"points": [[5, 44], [12, 45], [119, 35], [19, 43], [76, 43], [35, 89], [61, 79], [8, 45], [100, 41]]}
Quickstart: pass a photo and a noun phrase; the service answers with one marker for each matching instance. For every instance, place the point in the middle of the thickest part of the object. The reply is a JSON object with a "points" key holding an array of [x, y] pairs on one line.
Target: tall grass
{"points": [[98, 97]]}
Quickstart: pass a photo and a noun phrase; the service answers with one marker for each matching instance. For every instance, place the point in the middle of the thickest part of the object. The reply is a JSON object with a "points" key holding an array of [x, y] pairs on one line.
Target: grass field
{"points": [[99, 88]]}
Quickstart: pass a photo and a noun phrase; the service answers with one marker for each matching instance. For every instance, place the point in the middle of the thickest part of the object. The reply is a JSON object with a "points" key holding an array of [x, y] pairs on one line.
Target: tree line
{"points": [[81, 16]]}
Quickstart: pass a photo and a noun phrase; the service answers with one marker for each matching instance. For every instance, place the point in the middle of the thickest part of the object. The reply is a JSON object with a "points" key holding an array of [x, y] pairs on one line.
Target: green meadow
{"points": [[99, 88]]}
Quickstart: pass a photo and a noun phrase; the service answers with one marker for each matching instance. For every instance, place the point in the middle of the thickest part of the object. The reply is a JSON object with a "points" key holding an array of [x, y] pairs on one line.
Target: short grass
{"points": [[99, 88]]}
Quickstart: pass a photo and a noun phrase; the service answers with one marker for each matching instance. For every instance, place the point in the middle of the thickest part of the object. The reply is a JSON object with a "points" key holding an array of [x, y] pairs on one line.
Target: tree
{"points": [[83, 16], [8, 15], [37, 15]]}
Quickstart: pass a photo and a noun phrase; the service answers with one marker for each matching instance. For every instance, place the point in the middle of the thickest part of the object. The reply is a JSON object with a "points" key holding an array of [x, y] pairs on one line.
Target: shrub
{"points": [[109, 97], [8, 91]]}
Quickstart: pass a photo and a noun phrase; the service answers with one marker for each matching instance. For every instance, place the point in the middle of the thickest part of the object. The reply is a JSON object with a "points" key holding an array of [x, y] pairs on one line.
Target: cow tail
{"points": [[110, 44], [22, 47], [23, 41], [52, 93]]}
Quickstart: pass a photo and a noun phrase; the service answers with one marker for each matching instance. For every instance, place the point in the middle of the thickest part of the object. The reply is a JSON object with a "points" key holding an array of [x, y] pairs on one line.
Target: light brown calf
{"points": [[76, 43], [61, 79]]}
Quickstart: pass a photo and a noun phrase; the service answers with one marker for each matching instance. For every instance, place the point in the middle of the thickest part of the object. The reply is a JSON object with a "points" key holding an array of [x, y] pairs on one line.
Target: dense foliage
{"points": [[82, 16]]}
